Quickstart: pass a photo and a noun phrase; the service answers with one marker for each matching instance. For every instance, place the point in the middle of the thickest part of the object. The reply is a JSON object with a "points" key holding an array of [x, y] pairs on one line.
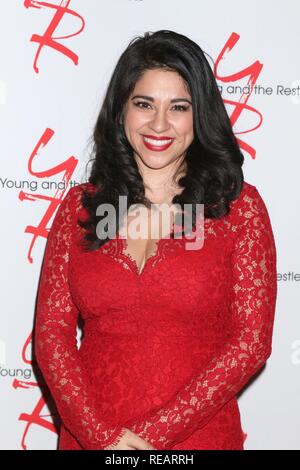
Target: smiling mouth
{"points": [[156, 143]]}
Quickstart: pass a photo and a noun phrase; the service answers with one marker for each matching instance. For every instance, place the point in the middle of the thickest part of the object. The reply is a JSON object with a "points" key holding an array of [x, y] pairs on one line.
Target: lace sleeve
{"points": [[55, 339], [249, 338]]}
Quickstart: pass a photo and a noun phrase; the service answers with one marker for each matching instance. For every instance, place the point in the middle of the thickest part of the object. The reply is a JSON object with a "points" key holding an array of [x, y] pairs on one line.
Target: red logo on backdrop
{"points": [[36, 417], [252, 73], [47, 39], [68, 166]]}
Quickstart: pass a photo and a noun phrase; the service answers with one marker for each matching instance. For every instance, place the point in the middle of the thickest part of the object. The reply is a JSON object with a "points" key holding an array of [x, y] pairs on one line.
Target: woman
{"points": [[171, 334]]}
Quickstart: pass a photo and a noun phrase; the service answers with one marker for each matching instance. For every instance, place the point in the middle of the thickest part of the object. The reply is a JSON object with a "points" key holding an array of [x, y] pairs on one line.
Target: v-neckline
{"points": [[149, 260], [115, 248], [155, 254]]}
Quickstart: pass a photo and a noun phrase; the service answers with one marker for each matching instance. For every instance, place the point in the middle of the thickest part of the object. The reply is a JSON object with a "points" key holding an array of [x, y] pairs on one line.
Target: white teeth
{"points": [[158, 143]]}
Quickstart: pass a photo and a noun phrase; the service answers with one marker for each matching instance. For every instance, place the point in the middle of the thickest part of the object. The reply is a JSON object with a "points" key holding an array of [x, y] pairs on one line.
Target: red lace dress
{"points": [[165, 350]]}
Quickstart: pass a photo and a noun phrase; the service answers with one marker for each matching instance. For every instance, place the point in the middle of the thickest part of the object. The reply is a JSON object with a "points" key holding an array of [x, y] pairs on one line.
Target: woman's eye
{"points": [[144, 105], [181, 107], [141, 104]]}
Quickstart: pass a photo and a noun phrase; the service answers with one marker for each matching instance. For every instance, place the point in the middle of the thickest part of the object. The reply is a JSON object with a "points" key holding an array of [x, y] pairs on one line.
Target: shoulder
{"points": [[74, 194], [249, 206], [79, 189], [247, 192]]}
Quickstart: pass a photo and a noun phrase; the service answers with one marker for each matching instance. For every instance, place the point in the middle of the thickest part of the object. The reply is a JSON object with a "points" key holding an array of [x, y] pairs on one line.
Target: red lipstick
{"points": [[155, 147], [162, 137]]}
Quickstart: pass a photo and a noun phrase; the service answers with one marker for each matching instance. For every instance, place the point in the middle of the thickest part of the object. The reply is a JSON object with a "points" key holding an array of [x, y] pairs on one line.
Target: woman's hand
{"points": [[130, 441]]}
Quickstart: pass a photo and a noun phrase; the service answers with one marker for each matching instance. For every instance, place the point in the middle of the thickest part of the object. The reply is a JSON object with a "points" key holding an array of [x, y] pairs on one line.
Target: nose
{"points": [[159, 122]]}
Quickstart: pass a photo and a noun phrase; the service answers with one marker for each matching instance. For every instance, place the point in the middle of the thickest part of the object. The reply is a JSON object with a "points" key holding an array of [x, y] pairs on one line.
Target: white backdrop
{"points": [[50, 93]]}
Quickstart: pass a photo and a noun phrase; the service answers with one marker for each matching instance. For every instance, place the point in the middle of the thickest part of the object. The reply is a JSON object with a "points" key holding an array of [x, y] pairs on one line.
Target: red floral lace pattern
{"points": [[117, 248], [248, 346], [55, 338]]}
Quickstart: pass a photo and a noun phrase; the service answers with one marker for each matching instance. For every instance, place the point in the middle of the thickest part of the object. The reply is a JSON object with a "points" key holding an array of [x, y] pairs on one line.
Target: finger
{"points": [[138, 443], [149, 446]]}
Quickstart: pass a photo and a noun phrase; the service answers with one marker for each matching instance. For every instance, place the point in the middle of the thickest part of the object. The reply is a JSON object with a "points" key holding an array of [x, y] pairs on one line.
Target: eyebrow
{"points": [[149, 98]]}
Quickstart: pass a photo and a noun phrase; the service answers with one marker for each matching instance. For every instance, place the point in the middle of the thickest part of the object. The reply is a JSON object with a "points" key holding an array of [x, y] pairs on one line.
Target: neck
{"points": [[161, 181]]}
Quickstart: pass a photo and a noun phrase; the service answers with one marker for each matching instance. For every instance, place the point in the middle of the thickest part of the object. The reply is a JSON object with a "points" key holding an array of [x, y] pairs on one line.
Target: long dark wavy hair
{"points": [[213, 174]]}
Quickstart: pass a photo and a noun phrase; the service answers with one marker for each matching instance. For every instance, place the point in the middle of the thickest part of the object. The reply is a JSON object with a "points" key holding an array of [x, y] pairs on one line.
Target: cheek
{"points": [[186, 127], [134, 120]]}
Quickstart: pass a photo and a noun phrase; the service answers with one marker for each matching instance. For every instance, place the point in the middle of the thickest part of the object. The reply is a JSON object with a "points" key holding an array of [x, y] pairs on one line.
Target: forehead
{"points": [[159, 82]]}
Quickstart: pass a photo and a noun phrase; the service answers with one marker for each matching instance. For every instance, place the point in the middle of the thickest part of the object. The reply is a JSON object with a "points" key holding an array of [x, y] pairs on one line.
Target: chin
{"points": [[156, 162]]}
